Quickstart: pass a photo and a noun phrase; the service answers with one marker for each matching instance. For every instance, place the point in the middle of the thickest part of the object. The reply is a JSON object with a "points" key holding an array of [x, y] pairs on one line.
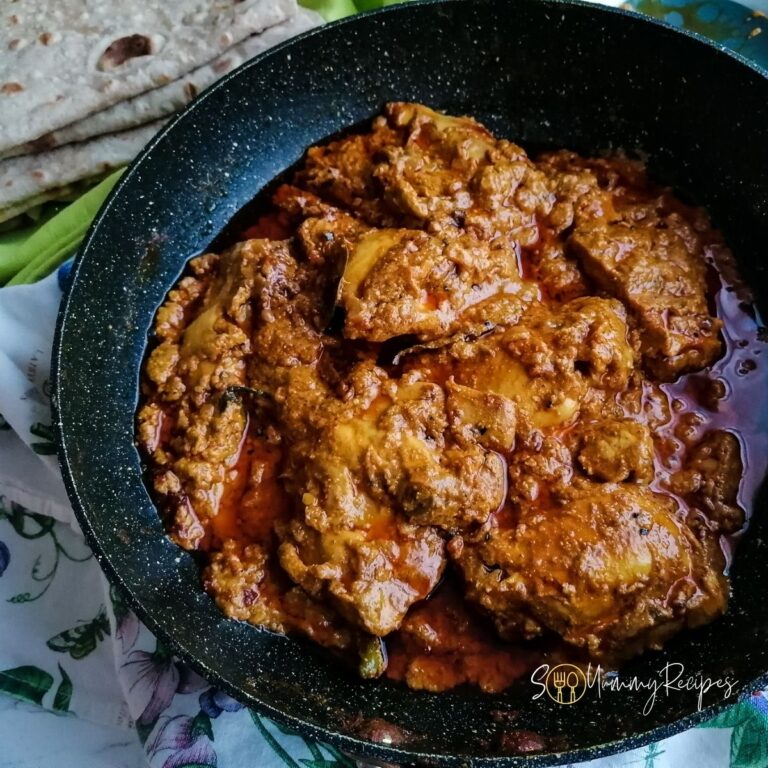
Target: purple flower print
{"points": [[214, 702], [155, 680], [5, 557], [182, 741], [189, 680], [127, 624], [199, 753], [127, 630]]}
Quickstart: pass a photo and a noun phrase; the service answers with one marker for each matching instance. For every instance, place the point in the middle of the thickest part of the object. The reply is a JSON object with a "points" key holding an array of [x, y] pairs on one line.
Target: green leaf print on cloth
{"points": [[26, 683], [81, 640], [202, 726], [318, 760], [749, 738], [30, 525], [63, 693], [44, 431]]}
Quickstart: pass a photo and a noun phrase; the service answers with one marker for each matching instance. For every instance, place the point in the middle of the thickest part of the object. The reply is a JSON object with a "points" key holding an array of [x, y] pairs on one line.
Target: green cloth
{"points": [[29, 254]]}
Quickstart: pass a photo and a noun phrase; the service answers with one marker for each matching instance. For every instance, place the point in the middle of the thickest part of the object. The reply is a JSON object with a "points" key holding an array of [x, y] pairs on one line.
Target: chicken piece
{"points": [[557, 274], [209, 353], [182, 300], [247, 585], [610, 568], [614, 450], [582, 193], [381, 467], [662, 279], [551, 364], [451, 172], [416, 460], [252, 322], [319, 226], [288, 315], [481, 417], [443, 644], [596, 189], [710, 480], [188, 371], [540, 469], [547, 465], [400, 281], [371, 575], [342, 172], [201, 453], [425, 170]]}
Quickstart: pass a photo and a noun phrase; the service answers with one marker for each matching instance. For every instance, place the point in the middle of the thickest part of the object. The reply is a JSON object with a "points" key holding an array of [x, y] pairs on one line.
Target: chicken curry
{"points": [[445, 407]]}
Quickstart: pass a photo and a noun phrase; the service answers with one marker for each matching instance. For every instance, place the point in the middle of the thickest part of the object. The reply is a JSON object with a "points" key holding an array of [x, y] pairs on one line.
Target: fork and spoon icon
{"points": [[562, 680]]}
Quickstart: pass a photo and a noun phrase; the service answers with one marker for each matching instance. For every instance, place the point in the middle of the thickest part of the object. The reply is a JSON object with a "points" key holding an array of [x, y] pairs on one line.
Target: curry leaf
{"points": [[27, 683]]}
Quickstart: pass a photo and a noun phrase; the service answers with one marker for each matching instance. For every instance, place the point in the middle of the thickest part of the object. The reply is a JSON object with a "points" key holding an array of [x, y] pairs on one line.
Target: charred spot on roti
{"points": [[11, 88], [221, 66], [124, 49], [44, 143]]}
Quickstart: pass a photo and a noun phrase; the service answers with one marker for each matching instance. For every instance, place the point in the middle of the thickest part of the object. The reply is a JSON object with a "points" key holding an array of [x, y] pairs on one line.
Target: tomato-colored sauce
{"points": [[226, 524]]}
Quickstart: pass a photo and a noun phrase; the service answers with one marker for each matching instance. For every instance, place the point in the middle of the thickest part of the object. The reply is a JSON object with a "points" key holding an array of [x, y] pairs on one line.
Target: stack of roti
{"points": [[84, 84]]}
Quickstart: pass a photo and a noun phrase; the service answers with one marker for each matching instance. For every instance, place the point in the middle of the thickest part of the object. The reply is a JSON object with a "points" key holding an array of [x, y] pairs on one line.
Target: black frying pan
{"points": [[545, 73]]}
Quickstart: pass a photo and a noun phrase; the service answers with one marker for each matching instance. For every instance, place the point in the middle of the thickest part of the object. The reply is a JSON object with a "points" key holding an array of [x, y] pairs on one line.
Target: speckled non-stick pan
{"points": [[542, 73]]}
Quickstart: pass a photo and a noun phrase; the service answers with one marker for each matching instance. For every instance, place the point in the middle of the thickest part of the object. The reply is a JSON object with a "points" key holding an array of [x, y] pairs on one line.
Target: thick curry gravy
{"points": [[479, 406]]}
